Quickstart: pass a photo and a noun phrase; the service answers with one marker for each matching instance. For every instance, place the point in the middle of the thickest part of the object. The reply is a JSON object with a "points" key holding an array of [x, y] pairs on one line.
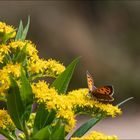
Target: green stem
{"points": [[82, 113], [7, 58], [33, 77], [27, 137]]}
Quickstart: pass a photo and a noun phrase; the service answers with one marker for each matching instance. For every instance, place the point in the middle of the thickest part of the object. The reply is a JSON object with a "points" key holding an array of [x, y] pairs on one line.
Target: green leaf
{"points": [[50, 117], [26, 94], [126, 100], [62, 82], [25, 31], [57, 125], [43, 134], [14, 104], [19, 32], [22, 33], [58, 134], [87, 125], [43, 117]]}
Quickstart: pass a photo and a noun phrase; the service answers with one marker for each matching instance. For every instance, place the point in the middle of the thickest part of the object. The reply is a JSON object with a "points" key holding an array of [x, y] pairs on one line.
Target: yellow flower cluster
{"points": [[52, 100], [4, 78], [79, 99], [5, 121], [50, 68], [96, 136], [67, 106], [35, 65], [7, 30], [30, 47], [54, 68]]}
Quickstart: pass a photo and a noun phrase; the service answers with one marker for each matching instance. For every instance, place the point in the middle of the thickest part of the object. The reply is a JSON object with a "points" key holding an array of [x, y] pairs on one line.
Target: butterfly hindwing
{"points": [[104, 93], [107, 90]]}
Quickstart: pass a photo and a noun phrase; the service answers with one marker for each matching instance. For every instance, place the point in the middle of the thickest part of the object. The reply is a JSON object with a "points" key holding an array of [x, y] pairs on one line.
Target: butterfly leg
{"points": [[91, 95]]}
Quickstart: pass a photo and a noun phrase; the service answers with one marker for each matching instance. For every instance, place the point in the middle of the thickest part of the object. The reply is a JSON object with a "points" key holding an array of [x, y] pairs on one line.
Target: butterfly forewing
{"points": [[90, 82]]}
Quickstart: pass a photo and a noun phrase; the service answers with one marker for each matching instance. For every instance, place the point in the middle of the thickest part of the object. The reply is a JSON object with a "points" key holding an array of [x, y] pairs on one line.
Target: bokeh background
{"points": [[107, 36]]}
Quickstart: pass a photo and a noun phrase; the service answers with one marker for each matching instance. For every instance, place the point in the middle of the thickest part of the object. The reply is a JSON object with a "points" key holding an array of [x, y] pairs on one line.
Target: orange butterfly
{"points": [[103, 93]]}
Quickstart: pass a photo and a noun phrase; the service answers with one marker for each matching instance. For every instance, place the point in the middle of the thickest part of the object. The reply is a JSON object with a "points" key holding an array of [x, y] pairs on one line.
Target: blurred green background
{"points": [[105, 34]]}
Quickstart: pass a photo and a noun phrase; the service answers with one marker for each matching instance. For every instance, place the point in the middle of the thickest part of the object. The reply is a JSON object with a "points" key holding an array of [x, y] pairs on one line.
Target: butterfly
{"points": [[103, 93]]}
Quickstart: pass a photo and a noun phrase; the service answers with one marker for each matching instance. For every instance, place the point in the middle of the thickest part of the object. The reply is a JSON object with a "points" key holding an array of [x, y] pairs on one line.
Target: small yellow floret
{"points": [[54, 68], [4, 49], [7, 30]]}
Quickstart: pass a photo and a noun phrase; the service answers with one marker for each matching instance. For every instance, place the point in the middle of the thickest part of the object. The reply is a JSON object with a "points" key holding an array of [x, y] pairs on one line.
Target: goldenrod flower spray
{"points": [[20, 88]]}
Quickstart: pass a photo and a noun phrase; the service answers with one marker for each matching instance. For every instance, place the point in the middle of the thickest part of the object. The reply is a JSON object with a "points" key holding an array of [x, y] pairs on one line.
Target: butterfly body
{"points": [[103, 93]]}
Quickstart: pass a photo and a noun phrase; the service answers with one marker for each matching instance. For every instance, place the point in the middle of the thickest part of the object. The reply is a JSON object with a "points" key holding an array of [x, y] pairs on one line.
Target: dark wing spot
{"points": [[107, 91], [100, 90]]}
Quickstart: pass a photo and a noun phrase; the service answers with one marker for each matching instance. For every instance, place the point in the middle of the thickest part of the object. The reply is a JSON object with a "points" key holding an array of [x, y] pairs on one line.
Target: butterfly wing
{"points": [[90, 82], [104, 93]]}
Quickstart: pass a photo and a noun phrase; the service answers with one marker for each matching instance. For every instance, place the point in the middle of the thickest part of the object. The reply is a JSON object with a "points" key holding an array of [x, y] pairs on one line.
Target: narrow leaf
{"points": [[26, 94], [58, 134], [87, 125], [19, 32], [43, 117], [14, 104], [57, 125], [50, 117], [25, 31], [62, 82], [43, 134], [126, 100]]}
